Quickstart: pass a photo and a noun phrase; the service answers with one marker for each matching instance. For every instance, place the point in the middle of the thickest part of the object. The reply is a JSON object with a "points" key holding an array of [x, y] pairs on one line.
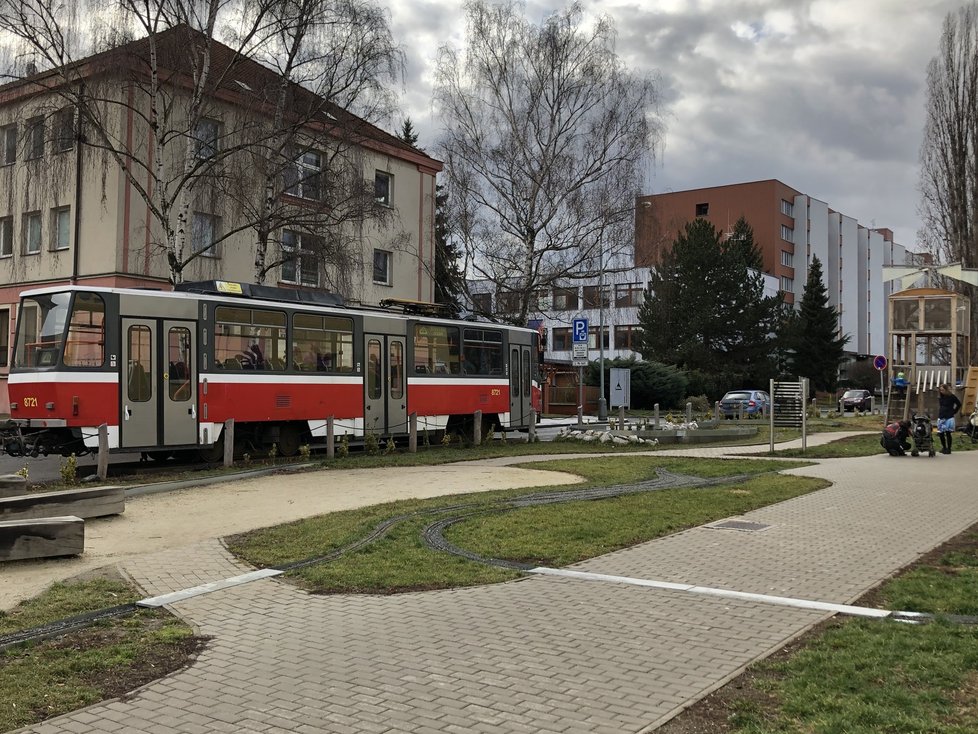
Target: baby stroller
{"points": [[972, 428], [921, 433]]}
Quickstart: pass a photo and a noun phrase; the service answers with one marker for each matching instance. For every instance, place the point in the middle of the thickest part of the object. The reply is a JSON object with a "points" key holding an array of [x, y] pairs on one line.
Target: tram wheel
{"points": [[288, 440], [213, 453], [159, 455]]}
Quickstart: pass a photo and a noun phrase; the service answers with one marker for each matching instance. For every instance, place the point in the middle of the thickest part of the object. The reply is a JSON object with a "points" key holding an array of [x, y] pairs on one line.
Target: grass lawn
{"points": [[555, 534], [864, 676]]}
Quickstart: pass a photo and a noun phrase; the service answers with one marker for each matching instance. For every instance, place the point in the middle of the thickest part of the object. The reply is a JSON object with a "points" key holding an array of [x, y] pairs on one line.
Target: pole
{"points": [[580, 396], [602, 403], [883, 398]]}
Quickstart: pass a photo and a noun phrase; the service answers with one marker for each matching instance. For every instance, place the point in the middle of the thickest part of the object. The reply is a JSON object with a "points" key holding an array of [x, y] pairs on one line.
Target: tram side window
{"points": [[482, 352], [249, 339], [140, 377], [436, 350], [373, 370], [181, 360], [322, 343], [85, 343], [40, 330]]}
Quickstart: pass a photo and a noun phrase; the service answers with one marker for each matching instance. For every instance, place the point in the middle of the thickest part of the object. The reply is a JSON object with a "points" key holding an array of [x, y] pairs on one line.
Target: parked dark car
{"points": [[753, 403], [856, 400]]}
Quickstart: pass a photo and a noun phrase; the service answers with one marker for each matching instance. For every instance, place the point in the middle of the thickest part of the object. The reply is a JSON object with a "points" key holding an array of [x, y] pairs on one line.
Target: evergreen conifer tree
{"points": [[705, 307], [816, 347]]}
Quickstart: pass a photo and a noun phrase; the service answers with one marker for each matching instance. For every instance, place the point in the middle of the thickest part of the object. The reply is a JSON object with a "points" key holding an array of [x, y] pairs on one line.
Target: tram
{"points": [[164, 370]]}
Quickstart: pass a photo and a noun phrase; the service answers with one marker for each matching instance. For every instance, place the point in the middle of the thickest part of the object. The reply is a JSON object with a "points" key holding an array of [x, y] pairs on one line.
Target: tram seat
{"points": [[421, 369], [276, 363], [178, 371], [232, 363]]}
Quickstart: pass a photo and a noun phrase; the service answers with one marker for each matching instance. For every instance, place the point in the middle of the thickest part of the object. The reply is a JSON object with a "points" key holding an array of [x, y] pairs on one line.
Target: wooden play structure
{"points": [[930, 345]]}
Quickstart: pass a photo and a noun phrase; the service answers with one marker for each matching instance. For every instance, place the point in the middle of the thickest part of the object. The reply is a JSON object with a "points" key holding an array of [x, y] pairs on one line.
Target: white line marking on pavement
{"points": [[785, 601], [159, 601]]}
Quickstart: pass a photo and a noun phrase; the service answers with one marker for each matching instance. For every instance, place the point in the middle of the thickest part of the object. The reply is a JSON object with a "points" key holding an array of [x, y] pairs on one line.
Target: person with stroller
{"points": [[948, 406], [895, 438]]}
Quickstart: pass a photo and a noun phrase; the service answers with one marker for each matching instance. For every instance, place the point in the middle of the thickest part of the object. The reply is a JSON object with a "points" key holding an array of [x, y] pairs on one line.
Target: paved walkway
{"points": [[542, 654]]}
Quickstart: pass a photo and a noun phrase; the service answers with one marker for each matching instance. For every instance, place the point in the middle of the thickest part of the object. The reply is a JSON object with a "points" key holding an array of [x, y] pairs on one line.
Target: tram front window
{"points": [[40, 330]]}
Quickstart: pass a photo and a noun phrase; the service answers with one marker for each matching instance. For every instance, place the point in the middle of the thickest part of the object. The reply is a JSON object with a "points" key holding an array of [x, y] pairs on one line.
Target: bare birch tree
{"points": [[546, 133], [949, 154]]}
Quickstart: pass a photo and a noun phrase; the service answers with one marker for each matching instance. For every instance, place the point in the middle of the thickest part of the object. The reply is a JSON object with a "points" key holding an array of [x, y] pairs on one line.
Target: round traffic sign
{"points": [[879, 362]]}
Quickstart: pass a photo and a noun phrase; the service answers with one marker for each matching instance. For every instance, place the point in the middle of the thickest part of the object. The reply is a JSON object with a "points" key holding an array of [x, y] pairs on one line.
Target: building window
{"points": [[300, 264], [703, 210], [304, 177], [4, 337], [787, 208], [6, 237], [561, 340], [508, 302], [35, 137], [787, 259], [65, 130], [8, 138], [592, 338], [60, 228], [565, 299], [787, 284], [592, 299], [32, 233], [628, 294], [627, 337], [382, 267], [787, 233], [383, 187], [204, 234], [206, 134], [482, 303]]}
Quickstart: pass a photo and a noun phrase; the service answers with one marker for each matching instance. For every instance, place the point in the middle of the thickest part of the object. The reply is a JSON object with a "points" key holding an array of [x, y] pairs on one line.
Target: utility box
{"points": [[620, 388]]}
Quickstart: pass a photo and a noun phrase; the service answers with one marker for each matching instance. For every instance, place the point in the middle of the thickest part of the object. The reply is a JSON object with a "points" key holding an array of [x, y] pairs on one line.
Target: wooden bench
{"points": [[84, 503], [41, 538], [12, 485]]}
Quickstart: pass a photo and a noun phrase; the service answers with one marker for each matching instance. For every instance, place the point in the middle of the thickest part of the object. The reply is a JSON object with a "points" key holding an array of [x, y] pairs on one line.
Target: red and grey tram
{"points": [[164, 371]]}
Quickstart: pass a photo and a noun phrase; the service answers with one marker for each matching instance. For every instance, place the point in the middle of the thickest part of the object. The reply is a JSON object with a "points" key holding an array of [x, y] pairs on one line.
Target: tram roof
{"points": [[266, 302]]}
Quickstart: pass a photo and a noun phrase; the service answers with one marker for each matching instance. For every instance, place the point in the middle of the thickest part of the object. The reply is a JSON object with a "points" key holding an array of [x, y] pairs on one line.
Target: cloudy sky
{"points": [[825, 95]]}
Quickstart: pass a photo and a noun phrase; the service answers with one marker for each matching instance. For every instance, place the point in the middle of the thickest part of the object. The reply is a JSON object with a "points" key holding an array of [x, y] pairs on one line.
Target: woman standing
{"points": [[949, 406]]}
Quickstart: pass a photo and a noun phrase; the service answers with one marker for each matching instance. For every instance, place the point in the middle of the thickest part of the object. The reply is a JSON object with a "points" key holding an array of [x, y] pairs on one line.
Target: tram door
{"points": [[159, 385], [384, 386], [519, 385]]}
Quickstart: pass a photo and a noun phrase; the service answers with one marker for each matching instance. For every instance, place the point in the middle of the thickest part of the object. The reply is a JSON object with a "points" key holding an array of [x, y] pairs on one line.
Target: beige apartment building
{"points": [[72, 211]]}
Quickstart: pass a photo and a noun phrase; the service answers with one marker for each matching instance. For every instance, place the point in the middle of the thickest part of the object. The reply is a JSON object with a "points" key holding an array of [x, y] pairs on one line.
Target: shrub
{"points": [[343, 450], [371, 444], [651, 382], [69, 470]]}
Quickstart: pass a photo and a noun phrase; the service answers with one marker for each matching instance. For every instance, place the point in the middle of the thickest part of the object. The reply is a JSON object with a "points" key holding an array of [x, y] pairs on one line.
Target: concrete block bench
{"points": [[12, 485], [41, 538], [84, 503]]}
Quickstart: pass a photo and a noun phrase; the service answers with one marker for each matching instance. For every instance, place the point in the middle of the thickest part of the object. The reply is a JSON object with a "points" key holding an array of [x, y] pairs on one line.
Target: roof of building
{"points": [[235, 77]]}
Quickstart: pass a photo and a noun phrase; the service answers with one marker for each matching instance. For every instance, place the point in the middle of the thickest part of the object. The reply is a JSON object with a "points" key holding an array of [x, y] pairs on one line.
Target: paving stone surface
{"points": [[541, 654]]}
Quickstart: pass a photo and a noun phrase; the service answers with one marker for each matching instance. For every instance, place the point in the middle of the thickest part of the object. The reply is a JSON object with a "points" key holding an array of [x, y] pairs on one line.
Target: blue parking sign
{"points": [[579, 329]]}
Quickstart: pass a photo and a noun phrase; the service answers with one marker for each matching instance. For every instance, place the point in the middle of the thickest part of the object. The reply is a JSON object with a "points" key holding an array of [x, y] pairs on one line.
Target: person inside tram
{"points": [[253, 359]]}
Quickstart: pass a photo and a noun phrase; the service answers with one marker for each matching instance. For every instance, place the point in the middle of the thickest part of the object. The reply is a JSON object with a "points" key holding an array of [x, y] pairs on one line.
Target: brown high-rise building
{"points": [[789, 228]]}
